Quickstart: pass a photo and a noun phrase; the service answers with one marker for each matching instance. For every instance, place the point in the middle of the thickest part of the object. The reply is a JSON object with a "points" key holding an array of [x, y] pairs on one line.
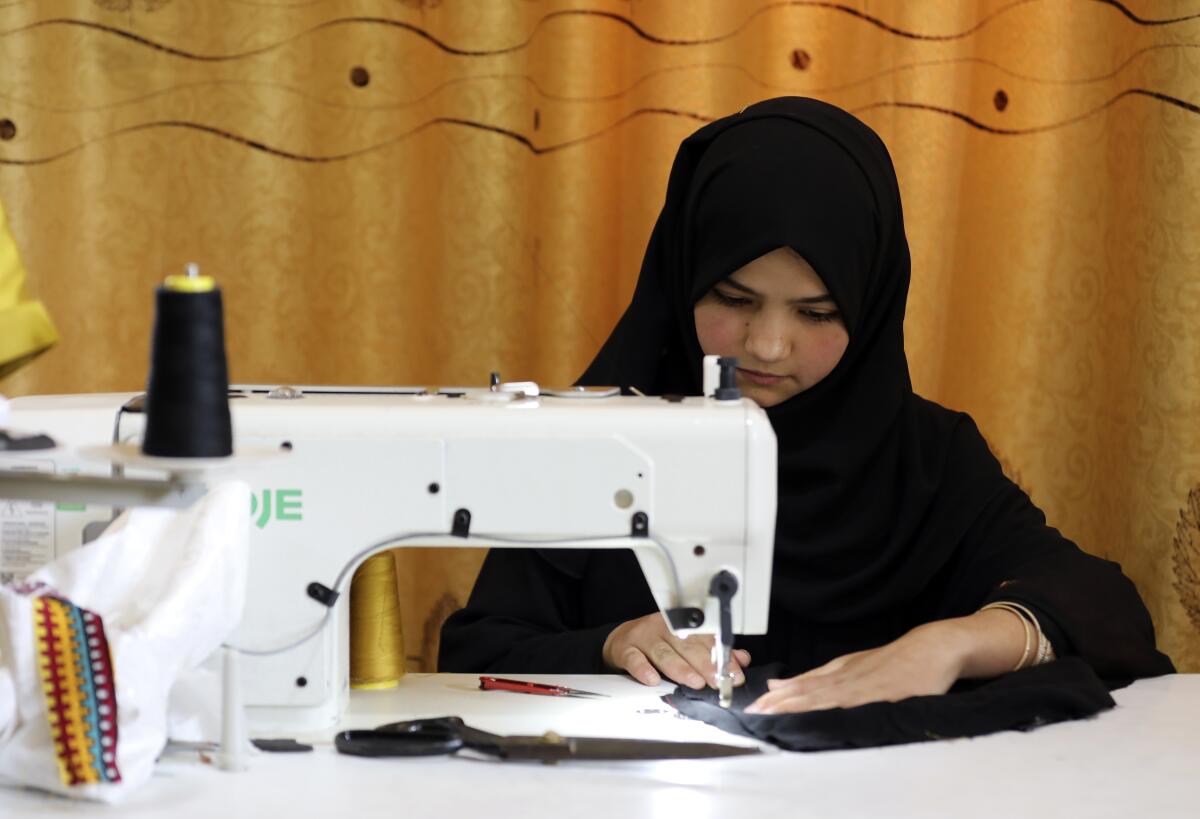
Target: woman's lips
{"points": [[762, 379]]}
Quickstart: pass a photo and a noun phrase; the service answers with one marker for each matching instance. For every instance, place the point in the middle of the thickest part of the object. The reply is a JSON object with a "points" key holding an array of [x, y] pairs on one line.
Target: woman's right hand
{"points": [[648, 651]]}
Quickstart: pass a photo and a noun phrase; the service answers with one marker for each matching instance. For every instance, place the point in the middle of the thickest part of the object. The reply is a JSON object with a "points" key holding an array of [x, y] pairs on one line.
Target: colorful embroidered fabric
{"points": [[77, 680]]}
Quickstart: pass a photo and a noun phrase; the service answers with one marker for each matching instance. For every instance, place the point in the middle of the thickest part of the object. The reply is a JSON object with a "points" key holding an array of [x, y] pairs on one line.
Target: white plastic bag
{"points": [[92, 644]]}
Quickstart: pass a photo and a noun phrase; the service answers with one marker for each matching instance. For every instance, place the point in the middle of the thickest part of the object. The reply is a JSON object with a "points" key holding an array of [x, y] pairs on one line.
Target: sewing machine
{"points": [[689, 484]]}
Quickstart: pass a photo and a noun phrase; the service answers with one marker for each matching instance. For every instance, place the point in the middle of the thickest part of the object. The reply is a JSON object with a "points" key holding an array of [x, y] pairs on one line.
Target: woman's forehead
{"points": [[780, 273]]}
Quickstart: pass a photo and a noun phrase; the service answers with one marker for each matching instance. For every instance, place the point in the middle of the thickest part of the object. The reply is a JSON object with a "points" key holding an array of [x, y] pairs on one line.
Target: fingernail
{"points": [[751, 709], [772, 683], [696, 682], [651, 679]]}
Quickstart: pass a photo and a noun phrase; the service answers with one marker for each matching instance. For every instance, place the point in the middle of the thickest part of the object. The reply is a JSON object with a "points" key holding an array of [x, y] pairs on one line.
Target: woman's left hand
{"points": [[926, 660]]}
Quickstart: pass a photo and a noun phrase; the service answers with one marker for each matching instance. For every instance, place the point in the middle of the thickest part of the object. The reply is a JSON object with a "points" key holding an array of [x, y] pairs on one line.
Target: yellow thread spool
{"points": [[376, 641]]}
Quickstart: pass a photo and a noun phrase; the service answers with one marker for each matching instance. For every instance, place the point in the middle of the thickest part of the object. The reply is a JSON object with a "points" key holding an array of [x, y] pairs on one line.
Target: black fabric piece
{"points": [[1026, 699], [892, 510]]}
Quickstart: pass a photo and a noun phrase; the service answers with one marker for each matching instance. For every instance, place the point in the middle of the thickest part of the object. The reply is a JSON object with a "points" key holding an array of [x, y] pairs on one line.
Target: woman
{"points": [[904, 559]]}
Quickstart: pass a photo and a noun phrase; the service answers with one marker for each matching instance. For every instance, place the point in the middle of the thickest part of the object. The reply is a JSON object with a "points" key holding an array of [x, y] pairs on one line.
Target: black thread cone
{"points": [[187, 392]]}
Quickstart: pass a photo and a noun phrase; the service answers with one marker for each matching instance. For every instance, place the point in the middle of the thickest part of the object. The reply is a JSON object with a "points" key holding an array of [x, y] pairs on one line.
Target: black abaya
{"points": [[892, 511]]}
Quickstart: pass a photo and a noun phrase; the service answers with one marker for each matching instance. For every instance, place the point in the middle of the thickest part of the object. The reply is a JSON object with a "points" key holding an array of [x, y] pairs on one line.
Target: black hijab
{"points": [[891, 510], [870, 505]]}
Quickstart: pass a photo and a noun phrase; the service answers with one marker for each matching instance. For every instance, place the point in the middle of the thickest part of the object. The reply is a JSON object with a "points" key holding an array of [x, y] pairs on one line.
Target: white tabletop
{"points": [[1142, 759]]}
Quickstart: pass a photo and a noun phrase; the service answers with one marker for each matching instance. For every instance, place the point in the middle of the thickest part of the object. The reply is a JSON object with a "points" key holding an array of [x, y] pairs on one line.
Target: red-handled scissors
{"points": [[523, 687]]}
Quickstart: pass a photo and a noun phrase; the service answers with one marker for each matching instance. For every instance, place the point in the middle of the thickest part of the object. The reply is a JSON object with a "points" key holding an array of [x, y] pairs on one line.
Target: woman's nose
{"points": [[767, 339]]}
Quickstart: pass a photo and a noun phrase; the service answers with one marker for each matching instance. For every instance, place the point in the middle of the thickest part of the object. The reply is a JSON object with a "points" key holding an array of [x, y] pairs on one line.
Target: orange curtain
{"points": [[423, 191]]}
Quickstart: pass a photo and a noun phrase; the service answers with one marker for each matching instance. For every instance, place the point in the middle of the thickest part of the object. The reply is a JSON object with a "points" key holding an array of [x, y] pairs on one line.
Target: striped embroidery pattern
{"points": [[77, 681]]}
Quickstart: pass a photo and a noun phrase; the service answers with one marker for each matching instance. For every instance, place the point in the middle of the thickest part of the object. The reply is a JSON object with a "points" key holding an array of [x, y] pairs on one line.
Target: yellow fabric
{"points": [[25, 326], [428, 190]]}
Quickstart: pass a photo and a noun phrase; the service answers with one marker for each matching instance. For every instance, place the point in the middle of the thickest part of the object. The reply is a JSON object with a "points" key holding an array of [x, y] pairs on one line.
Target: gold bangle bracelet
{"points": [[1045, 649], [1029, 630]]}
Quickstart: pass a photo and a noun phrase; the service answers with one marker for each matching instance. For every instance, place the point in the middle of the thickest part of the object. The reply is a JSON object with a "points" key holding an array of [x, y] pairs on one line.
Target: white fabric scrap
{"points": [[170, 587]]}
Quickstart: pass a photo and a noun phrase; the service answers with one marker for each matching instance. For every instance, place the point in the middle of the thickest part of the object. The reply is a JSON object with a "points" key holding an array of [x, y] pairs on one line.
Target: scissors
{"points": [[523, 687], [448, 735]]}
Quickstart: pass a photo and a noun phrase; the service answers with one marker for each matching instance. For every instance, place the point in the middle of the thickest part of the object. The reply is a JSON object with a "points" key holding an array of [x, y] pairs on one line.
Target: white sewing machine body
{"points": [[364, 467]]}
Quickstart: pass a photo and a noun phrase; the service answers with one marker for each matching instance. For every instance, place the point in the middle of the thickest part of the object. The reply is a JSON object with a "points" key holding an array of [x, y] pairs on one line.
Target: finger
{"points": [[794, 697], [798, 705], [698, 649], [635, 662], [830, 667], [741, 659], [735, 669], [819, 693], [765, 702], [669, 662], [828, 697], [699, 655], [790, 688]]}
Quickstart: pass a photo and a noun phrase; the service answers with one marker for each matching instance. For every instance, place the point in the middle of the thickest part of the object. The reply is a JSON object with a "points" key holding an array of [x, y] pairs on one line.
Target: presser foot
{"points": [[725, 689], [723, 660], [723, 586]]}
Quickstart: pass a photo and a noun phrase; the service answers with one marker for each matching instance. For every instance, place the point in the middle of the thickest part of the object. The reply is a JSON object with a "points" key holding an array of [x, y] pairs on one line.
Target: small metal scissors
{"points": [[448, 735], [523, 687]]}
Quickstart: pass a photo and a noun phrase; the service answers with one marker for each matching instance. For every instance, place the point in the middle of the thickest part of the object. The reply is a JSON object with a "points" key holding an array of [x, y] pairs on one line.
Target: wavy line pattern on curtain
{"points": [[401, 191]]}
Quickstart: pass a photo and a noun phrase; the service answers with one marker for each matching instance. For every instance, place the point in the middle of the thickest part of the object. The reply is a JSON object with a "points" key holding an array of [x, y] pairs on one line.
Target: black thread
{"points": [[187, 392]]}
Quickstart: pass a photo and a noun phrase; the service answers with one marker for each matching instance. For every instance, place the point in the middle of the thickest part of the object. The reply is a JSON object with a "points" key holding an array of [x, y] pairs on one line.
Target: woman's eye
{"points": [[820, 315], [729, 301]]}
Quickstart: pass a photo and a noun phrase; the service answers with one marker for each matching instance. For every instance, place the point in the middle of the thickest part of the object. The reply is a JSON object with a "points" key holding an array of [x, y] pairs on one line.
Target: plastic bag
{"points": [[92, 644]]}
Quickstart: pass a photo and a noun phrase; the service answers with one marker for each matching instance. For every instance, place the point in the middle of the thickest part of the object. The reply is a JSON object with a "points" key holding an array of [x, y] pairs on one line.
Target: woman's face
{"points": [[777, 317]]}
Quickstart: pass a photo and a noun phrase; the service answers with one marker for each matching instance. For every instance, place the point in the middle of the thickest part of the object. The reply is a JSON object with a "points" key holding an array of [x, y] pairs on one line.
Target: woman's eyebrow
{"points": [[736, 285]]}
